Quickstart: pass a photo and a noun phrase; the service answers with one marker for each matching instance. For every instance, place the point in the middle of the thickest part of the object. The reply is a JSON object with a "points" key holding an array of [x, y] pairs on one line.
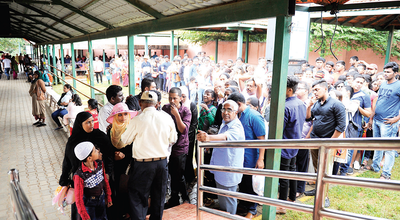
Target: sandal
{"points": [[209, 202], [383, 177]]}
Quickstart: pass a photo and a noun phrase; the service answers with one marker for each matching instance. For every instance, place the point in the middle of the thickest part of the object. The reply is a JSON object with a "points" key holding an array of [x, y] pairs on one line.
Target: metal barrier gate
{"points": [[321, 178]]}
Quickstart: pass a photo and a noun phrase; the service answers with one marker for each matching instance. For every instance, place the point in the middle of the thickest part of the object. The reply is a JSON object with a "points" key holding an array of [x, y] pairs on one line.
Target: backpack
{"points": [[352, 128]]}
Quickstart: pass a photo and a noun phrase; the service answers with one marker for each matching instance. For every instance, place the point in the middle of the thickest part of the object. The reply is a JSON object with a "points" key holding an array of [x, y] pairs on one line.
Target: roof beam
{"points": [[391, 21], [365, 5], [348, 19], [362, 20], [376, 20], [40, 22], [42, 31], [145, 8], [28, 31], [31, 2], [229, 12], [26, 34], [55, 18], [86, 15]]}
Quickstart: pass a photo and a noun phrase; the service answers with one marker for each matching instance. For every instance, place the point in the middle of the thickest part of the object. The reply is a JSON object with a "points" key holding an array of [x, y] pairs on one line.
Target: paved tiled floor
{"points": [[36, 152]]}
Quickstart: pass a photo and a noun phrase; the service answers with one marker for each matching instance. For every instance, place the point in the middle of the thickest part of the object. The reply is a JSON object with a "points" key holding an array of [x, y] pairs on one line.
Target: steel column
{"points": [[216, 50], [389, 45], [116, 47], [146, 46], [91, 69], [280, 68], [246, 56], [73, 64], [56, 80], [62, 63], [240, 44], [171, 48], [48, 58], [177, 46], [131, 64]]}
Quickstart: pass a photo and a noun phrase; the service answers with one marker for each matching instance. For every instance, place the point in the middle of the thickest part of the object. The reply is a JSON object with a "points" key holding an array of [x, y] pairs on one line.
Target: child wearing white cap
{"points": [[92, 190]]}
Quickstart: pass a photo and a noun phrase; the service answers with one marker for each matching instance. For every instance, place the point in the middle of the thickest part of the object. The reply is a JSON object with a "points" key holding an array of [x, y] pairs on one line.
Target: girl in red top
{"points": [[93, 109]]}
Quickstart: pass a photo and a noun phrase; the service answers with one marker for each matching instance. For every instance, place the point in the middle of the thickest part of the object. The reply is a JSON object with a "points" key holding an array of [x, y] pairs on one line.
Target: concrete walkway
{"points": [[37, 152]]}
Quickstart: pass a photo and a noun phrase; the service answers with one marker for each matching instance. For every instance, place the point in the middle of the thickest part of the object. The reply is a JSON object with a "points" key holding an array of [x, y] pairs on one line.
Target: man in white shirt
{"points": [[152, 133], [114, 95], [7, 66], [98, 69]]}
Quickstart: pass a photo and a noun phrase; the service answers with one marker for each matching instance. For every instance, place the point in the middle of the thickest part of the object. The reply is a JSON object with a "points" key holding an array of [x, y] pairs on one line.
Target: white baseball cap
{"points": [[83, 150]]}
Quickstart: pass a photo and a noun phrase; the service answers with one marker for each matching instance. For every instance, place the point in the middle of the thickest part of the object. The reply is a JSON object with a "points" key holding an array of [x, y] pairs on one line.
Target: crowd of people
{"points": [[12, 65], [210, 101]]}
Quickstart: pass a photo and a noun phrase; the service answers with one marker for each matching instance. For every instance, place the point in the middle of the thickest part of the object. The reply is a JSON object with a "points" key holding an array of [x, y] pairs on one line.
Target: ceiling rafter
{"points": [[145, 8], [86, 15], [376, 20], [42, 31], [57, 20], [362, 20], [38, 34], [26, 34], [391, 21], [40, 22], [348, 19], [31, 2]]}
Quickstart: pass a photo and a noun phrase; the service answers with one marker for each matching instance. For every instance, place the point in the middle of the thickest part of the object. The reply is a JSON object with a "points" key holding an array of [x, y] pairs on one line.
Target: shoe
{"points": [[327, 203], [41, 124], [383, 177], [299, 194], [58, 128], [310, 193], [249, 215], [280, 211], [357, 165], [36, 123], [350, 171]]}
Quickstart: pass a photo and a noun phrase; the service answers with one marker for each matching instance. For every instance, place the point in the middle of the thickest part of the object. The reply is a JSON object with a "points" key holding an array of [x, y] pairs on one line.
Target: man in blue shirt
{"points": [[364, 109], [385, 119], [295, 116], [231, 130], [163, 73], [254, 129]]}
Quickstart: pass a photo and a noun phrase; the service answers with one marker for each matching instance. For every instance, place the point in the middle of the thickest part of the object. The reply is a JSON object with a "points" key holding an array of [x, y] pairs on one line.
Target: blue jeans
{"points": [[345, 166], [7, 72], [60, 112], [384, 130], [96, 207], [227, 203]]}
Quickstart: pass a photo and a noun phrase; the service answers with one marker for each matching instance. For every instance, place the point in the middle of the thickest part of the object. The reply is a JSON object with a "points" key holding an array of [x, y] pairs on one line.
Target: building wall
{"points": [[227, 50]]}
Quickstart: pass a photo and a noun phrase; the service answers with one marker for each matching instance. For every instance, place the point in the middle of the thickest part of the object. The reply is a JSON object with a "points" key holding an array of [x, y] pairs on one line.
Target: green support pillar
{"points": [[278, 96], [216, 50], [177, 46], [62, 63], [48, 57], [246, 59], [131, 64], [389, 45], [171, 48], [55, 81], [240, 44], [73, 64], [146, 46], [19, 48], [91, 69], [116, 47]]}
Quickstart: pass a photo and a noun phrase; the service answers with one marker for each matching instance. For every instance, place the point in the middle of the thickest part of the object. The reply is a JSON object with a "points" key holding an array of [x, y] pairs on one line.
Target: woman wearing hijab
{"points": [[37, 91], [189, 171], [83, 131], [120, 118]]}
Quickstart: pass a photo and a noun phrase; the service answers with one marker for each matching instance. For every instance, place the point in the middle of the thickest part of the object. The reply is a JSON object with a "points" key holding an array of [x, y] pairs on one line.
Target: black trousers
{"points": [[176, 168], [302, 160], [189, 170], [99, 75], [288, 165], [246, 186], [147, 178]]}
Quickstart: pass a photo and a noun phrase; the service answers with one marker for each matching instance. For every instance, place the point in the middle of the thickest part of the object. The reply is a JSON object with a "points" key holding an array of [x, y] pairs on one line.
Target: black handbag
{"points": [[352, 128]]}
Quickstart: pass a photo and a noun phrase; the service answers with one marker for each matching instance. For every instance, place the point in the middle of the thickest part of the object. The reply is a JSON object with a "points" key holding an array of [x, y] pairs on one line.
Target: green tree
{"points": [[351, 38], [11, 45], [202, 37]]}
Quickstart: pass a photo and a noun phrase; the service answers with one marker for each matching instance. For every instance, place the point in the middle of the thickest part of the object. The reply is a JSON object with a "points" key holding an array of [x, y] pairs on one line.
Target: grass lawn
{"points": [[366, 201]]}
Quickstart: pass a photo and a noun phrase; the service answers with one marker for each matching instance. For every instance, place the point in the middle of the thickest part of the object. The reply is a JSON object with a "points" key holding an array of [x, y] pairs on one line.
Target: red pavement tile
{"points": [[186, 212]]}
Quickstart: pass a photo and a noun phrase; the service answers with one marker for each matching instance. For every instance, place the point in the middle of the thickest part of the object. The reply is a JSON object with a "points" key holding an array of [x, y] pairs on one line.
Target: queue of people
{"points": [[139, 137]]}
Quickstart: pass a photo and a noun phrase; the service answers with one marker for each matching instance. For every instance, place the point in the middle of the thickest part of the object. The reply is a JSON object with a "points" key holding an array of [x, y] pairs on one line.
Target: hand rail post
{"points": [[200, 178], [319, 185]]}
